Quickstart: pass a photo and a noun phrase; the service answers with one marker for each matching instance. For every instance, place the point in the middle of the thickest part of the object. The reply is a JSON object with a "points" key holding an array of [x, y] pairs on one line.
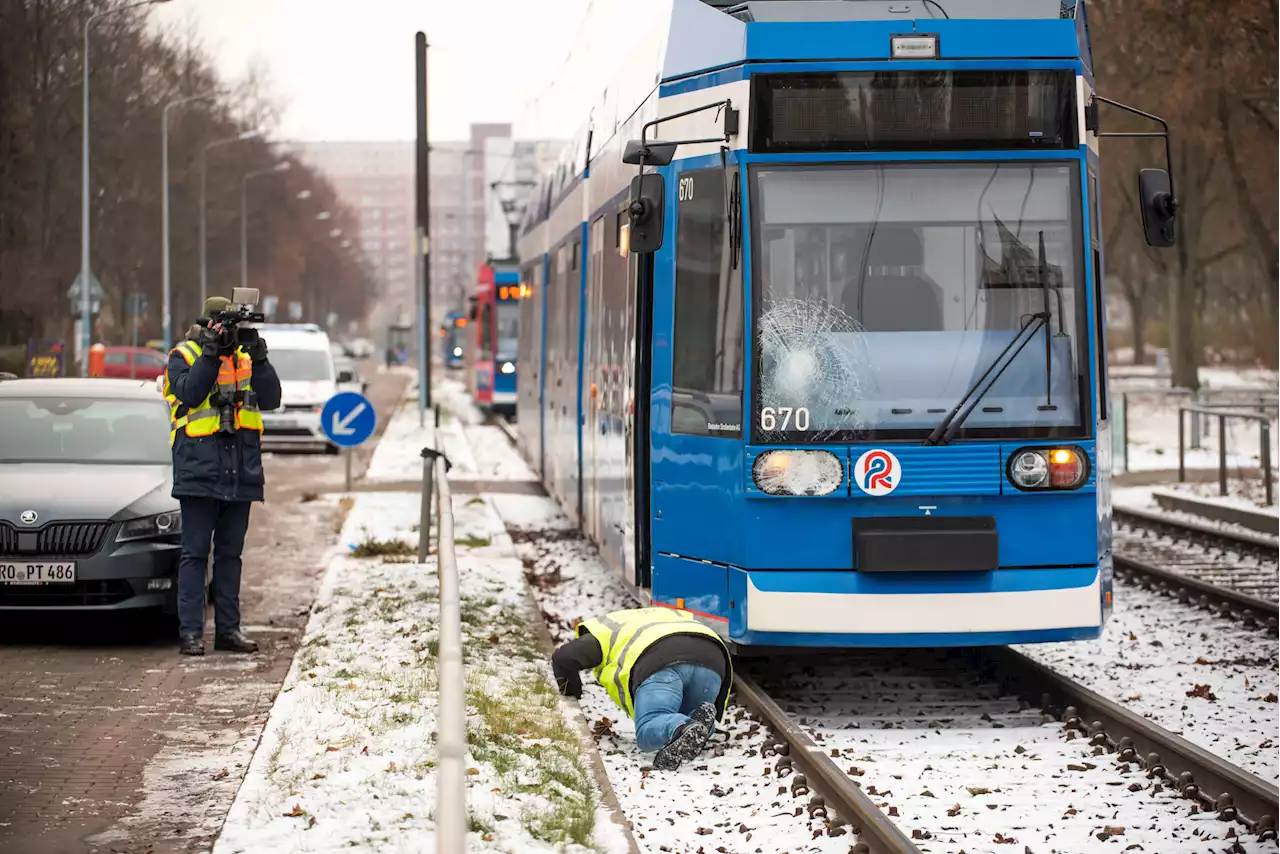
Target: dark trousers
{"points": [[224, 524]]}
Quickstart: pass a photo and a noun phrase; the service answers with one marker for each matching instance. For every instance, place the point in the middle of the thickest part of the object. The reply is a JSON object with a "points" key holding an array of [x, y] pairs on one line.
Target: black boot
{"points": [[234, 641], [685, 744], [706, 714], [190, 645]]}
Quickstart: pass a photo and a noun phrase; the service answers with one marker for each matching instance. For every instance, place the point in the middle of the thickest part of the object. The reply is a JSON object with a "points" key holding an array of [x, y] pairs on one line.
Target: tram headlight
{"points": [[508, 368], [457, 351], [797, 472], [1048, 468]]}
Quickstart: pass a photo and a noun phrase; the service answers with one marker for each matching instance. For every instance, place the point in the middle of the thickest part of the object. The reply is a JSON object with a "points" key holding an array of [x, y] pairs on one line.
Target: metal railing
{"points": [[1264, 449], [451, 700]]}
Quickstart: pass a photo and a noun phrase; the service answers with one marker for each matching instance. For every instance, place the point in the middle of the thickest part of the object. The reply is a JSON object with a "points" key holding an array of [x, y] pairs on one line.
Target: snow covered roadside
{"points": [[346, 758]]}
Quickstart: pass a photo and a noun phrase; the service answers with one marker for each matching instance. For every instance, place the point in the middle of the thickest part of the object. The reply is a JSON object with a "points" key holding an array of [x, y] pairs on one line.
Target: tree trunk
{"points": [[1138, 319], [1184, 356]]}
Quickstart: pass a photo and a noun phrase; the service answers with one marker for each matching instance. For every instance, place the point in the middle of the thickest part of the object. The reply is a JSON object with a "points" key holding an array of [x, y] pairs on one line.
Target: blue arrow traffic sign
{"points": [[348, 419]]}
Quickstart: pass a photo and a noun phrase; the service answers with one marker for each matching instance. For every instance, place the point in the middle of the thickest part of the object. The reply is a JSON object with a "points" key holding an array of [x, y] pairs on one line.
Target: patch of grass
{"points": [[521, 728], [373, 547], [344, 673], [476, 500], [471, 541], [478, 825]]}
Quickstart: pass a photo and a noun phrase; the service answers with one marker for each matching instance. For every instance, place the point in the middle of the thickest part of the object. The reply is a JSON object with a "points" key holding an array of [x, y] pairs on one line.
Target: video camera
{"points": [[231, 335]]}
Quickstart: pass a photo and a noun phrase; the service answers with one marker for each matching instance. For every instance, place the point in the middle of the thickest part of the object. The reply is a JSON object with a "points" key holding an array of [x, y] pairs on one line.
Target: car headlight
{"points": [[797, 472], [159, 525], [1032, 469], [508, 368]]}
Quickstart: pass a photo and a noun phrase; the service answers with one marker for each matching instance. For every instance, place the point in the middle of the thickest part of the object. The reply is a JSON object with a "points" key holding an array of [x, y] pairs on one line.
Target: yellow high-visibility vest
{"points": [[625, 635], [234, 373]]}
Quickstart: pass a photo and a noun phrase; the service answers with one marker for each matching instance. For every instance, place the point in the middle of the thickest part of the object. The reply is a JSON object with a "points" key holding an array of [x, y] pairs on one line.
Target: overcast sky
{"points": [[344, 69]]}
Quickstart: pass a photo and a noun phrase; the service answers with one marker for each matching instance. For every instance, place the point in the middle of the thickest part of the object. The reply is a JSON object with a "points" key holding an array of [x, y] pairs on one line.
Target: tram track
{"points": [[921, 711], [1229, 571]]}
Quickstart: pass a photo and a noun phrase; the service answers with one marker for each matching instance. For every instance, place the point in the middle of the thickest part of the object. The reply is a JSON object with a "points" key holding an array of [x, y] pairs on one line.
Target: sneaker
{"points": [[706, 715], [683, 746]]}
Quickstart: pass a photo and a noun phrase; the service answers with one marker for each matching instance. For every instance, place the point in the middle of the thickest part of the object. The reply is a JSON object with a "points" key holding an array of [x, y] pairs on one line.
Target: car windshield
{"points": [[301, 365], [84, 430], [884, 292], [508, 330]]}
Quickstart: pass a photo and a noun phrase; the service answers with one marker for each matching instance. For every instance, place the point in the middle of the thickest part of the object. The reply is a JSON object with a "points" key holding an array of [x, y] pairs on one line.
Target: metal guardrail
{"points": [[1264, 450], [451, 700]]}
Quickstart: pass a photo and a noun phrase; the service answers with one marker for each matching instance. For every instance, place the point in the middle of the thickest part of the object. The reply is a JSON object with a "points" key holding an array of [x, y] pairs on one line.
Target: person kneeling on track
{"points": [[670, 673]]}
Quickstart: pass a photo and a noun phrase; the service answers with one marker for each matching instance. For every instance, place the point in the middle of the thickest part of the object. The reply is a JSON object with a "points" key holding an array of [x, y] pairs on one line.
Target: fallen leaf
{"points": [[221, 775], [332, 749], [1203, 692], [318, 777], [954, 811], [311, 822], [295, 812], [977, 790]]}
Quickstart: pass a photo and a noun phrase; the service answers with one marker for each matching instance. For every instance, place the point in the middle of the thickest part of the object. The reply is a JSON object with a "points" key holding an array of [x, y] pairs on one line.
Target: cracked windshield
{"points": [[886, 292]]}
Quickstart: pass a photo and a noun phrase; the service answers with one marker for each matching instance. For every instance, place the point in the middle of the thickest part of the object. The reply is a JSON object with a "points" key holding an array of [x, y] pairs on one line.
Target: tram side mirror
{"points": [[648, 194], [650, 154], [1158, 207]]}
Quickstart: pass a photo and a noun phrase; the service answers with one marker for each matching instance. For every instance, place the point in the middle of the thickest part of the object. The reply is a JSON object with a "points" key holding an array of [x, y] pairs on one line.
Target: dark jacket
{"points": [[584, 652], [223, 466]]}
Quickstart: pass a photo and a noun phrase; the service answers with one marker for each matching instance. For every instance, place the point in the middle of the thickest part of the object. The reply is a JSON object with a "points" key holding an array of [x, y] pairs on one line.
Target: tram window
{"points": [[486, 331], [708, 338]]}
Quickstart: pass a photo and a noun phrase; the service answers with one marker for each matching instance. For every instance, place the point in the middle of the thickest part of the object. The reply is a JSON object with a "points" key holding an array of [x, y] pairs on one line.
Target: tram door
{"points": [[592, 446]]}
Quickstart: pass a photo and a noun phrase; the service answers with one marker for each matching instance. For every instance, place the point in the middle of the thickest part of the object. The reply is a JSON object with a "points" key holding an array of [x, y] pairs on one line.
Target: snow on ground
{"points": [[725, 800], [1153, 655], [1153, 438], [347, 755]]}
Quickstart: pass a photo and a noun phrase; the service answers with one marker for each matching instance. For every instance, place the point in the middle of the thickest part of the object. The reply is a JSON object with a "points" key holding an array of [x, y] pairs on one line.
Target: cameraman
{"points": [[217, 383]]}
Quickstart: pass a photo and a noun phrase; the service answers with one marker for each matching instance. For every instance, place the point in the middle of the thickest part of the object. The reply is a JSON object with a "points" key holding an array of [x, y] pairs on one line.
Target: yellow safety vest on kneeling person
{"points": [[234, 373], [625, 635]]}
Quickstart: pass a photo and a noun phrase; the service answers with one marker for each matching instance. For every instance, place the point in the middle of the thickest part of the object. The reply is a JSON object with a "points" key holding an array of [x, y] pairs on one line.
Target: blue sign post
{"points": [[348, 420]]}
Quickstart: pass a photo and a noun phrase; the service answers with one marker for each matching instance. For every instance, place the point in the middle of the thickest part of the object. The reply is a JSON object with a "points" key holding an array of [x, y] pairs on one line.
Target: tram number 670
{"points": [[684, 189], [770, 416]]}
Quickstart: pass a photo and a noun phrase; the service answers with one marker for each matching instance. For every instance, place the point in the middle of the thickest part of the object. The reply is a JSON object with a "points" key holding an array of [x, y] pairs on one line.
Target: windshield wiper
{"points": [[942, 434], [1043, 272]]}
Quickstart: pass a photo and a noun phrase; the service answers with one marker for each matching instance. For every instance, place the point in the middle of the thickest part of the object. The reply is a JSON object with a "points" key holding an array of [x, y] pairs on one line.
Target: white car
{"points": [[349, 376], [304, 362]]}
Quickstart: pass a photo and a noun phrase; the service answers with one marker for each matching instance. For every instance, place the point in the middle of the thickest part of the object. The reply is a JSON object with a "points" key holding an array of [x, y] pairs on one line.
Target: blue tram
{"points": [[815, 348], [453, 339]]}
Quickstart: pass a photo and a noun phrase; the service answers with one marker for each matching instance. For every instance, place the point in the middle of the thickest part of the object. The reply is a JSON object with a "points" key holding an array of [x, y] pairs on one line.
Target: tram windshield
{"points": [[884, 292], [508, 330]]}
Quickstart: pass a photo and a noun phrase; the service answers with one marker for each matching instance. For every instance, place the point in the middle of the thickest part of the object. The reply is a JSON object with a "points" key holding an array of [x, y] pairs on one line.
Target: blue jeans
{"points": [[664, 700], [224, 524]]}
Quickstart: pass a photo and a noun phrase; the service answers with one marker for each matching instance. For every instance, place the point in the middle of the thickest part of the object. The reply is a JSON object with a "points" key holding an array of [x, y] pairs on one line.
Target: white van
{"points": [[302, 358]]}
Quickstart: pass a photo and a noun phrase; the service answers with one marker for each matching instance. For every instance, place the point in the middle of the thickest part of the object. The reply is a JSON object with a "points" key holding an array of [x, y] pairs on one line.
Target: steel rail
{"points": [[877, 833], [1211, 781], [1264, 612], [1244, 541]]}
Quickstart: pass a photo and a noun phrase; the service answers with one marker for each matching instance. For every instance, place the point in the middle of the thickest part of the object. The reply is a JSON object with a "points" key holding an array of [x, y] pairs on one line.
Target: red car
{"points": [[133, 363]]}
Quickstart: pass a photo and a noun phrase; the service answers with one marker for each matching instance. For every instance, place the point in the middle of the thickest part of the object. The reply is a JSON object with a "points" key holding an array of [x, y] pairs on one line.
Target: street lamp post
{"points": [[167, 309], [86, 299], [204, 206], [283, 166]]}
